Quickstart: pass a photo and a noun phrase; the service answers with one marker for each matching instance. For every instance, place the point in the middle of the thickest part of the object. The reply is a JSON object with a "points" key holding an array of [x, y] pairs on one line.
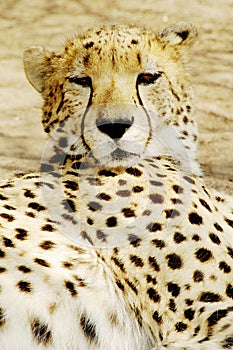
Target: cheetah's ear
{"points": [[179, 35], [36, 65]]}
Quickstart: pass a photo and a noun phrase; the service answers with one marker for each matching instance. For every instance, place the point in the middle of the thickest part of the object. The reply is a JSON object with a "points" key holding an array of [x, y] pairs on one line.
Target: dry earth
{"points": [[50, 22]]}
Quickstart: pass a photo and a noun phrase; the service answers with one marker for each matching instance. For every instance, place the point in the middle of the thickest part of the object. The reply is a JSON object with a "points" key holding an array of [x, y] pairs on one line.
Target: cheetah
{"points": [[117, 243]]}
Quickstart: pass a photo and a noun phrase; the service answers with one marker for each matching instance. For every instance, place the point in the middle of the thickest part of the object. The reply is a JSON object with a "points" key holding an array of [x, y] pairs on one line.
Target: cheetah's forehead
{"points": [[127, 36], [114, 44]]}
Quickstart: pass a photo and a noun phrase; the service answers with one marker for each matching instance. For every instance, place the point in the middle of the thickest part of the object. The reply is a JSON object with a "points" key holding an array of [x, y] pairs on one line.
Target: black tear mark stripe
{"points": [[87, 147], [89, 328], [147, 116]]}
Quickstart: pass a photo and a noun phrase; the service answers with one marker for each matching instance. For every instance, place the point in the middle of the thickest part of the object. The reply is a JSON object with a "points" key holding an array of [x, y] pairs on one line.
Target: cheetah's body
{"points": [[115, 245]]}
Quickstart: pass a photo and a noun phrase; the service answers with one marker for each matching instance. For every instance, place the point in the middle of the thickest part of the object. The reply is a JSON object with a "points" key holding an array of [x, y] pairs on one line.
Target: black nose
{"points": [[116, 129]]}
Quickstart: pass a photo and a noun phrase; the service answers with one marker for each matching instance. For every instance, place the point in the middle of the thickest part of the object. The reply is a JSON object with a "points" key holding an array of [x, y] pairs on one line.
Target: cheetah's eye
{"points": [[148, 78], [84, 81]]}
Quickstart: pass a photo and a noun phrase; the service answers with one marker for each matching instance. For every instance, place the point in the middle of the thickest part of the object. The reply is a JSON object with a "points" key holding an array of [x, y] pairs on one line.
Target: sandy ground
{"points": [[51, 22]]}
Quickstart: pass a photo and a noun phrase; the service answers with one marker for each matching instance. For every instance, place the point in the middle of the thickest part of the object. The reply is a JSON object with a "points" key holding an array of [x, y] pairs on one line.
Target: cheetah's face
{"points": [[118, 94]]}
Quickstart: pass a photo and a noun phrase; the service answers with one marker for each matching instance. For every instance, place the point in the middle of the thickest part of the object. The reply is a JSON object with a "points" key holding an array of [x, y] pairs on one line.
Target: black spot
{"points": [[173, 288], [24, 286], [229, 222], [119, 263], [218, 227], [204, 204], [30, 214], [196, 331], [189, 179], [224, 267], [134, 240], [189, 302], [94, 206], [89, 45], [230, 251], [71, 185], [89, 328], [41, 262], [2, 269], [120, 285], [201, 310], [69, 205], [156, 198], [111, 221], [128, 213], [101, 235], [139, 58], [3, 198], [132, 286], [150, 279], [103, 196], [29, 194], [153, 295], [153, 263], [137, 189], [195, 219], [7, 217], [214, 238], [41, 332], [156, 183], [178, 189], [2, 253], [107, 173], [180, 327], [36, 206], [134, 41], [136, 260], [172, 305], [198, 276], [228, 343], [47, 227], [71, 288], [196, 238], [204, 340], [46, 245], [172, 213], [24, 269], [134, 171], [179, 238], [189, 314], [209, 297], [90, 221], [157, 317], [84, 235], [229, 291], [174, 261], [21, 234], [153, 227], [123, 193], [122, 182], [9, 207], [203, 254], [2, 317], [216, 316], [158, 243], [8, 242]]}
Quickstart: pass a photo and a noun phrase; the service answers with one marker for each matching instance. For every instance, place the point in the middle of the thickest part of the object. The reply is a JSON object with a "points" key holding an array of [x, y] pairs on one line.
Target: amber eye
{"points": [[84, 81], [148, 78]]}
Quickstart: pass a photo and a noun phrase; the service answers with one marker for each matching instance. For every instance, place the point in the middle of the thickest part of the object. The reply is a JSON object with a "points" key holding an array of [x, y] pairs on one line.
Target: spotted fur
{"points": [[117, 243]]}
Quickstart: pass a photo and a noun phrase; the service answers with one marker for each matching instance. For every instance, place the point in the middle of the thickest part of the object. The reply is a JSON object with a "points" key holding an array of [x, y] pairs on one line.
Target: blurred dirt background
{"points": [[51, 22]]}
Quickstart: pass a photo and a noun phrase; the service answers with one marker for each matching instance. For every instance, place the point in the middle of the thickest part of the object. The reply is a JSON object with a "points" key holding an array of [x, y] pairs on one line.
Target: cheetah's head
{"points": [[118, 94]]}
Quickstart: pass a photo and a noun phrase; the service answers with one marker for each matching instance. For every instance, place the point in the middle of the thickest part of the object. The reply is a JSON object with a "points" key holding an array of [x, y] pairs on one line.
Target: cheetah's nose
{"points": [[115, 129]]}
